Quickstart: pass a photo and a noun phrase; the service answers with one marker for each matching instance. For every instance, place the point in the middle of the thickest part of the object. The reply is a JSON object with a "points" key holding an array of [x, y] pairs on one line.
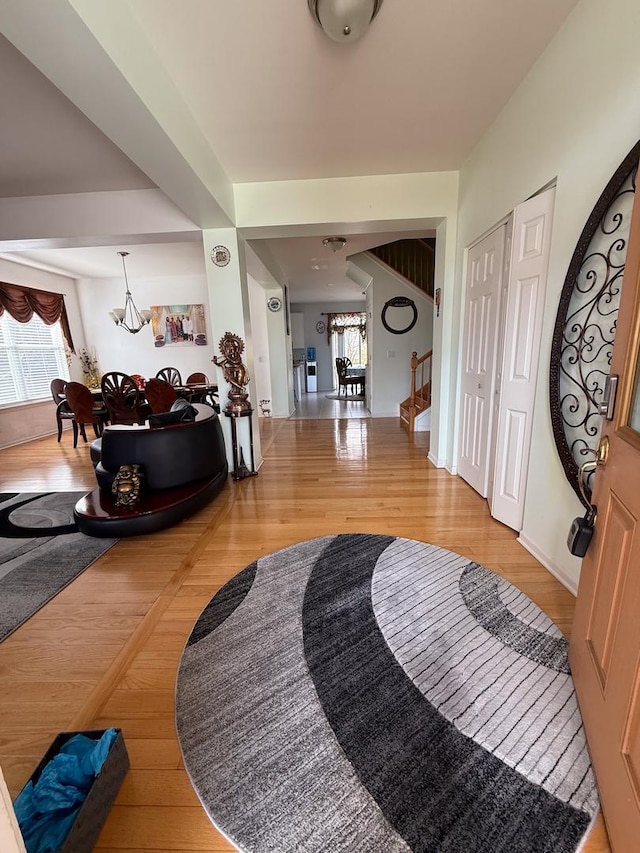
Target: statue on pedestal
{"points": [[235, 373]]}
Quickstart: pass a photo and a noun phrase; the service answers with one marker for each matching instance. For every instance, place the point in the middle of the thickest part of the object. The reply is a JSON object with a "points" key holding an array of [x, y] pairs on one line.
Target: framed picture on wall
{"points": [[178, 325]]}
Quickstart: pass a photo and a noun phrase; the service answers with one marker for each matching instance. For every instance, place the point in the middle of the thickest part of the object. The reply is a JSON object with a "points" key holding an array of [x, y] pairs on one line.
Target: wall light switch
{"points": [[391, 353]]}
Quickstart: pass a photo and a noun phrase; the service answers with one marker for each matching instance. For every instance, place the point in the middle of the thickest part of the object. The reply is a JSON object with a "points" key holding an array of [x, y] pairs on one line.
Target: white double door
{"points": [[505, 287]]}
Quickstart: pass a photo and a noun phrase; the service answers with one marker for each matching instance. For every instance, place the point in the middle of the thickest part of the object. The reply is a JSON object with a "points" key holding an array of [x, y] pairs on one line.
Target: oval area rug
{"points": [[372, 693]]}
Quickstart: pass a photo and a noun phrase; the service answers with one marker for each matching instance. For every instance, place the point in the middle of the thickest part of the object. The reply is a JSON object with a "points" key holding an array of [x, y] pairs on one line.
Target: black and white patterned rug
{"points": [[377, 694], [41, 552]]}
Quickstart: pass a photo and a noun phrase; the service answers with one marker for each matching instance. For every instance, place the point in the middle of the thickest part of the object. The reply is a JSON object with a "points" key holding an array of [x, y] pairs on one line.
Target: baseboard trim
{"points": [[33, 438], [439, 463], [558, 573]]}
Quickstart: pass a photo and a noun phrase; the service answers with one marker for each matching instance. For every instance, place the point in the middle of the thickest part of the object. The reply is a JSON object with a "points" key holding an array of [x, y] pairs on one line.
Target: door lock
{"points": [[581, 530], [608, 404]]}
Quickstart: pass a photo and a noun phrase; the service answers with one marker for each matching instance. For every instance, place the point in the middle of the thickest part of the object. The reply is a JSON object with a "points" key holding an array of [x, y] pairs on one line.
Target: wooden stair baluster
{"points": [[420, 397]]}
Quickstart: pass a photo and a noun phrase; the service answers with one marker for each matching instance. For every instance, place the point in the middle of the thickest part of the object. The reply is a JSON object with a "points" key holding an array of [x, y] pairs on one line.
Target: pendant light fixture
{"points": [[129, 317], [344, 20]]}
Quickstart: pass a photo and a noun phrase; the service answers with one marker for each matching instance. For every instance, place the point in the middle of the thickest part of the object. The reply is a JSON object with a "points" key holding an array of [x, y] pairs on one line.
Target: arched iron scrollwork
{"points": [[586, 321]]}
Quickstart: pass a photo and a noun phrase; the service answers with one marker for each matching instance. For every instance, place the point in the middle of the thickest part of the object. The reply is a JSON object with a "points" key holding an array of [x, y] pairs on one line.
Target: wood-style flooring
{"points": [[105, 650], [318, 406]]}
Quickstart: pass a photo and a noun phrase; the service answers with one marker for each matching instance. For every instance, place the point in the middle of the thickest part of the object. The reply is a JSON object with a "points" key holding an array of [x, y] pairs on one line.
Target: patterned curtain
{"points": [[23, 302], [339, 322]]}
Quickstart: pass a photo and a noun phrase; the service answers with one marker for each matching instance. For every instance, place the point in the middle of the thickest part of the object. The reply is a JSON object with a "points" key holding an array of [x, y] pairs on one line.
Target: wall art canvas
{"points": [[178, 325]]}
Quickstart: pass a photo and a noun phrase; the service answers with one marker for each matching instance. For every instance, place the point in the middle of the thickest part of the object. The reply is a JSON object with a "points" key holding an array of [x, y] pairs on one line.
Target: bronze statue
{"points": [[235, 373], [126, 485]]}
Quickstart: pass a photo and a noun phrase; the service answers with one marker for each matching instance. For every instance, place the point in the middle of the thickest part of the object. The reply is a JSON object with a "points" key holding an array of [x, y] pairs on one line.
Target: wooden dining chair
{"points": [[85, 411], [170, 375], [201, 396], [345, 381], [63, 410], [122, 398], [197, 378], [160, 395]]}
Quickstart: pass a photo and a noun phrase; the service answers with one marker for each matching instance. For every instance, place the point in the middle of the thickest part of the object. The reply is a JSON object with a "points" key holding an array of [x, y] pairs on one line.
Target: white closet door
{"points": [[523, 324], [485, 270]]}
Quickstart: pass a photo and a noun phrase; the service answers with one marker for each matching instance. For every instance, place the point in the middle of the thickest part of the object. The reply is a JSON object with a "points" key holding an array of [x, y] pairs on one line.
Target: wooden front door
{"points": [[605, 645]]}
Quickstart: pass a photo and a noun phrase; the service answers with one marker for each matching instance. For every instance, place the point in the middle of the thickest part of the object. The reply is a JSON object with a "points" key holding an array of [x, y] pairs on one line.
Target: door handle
{"points": [[602, 453], [589, 465]]}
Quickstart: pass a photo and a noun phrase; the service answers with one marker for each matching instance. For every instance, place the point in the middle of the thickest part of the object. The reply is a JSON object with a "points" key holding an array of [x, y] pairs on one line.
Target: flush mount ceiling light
{"points": [[129, 317], [334, 243], [344, 20]]}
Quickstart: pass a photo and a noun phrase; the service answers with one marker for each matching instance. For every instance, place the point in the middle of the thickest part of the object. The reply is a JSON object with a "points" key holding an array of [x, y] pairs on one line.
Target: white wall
{"points": [[574, 117], [260, 338], [118, 349], [313, 312], [390, 355], [229, 311], [26, 421], [280, 359], [409, 198]]}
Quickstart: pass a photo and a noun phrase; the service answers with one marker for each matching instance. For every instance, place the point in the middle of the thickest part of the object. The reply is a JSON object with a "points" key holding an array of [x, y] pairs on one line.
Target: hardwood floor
{"points": [[105, 650], [318, 406]]}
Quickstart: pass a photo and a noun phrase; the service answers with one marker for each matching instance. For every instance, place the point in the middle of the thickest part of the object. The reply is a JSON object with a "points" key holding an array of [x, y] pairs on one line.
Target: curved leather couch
{"points": [[184, 465]]}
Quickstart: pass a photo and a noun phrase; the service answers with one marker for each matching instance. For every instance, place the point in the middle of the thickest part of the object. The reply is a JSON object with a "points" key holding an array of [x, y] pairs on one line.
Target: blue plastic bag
{"points": [[47, 810]]}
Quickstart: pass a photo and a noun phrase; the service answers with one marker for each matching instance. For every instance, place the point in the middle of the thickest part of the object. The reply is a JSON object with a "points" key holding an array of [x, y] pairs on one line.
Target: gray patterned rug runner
{"points": [[377, 694], [41, 552]]}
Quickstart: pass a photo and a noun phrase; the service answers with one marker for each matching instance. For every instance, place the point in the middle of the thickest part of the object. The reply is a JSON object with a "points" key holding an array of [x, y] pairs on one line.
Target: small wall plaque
{"points": [[220, 256]]}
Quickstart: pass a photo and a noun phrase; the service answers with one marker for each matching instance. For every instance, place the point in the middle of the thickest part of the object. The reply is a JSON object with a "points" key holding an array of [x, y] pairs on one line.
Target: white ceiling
{"points": [[47, 145], [152, 260], [272, 97], [278, 100], [320, 275]]}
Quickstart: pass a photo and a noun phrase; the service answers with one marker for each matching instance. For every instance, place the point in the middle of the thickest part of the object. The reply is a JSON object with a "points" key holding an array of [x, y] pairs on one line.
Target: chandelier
{"points": [[129, 317]]}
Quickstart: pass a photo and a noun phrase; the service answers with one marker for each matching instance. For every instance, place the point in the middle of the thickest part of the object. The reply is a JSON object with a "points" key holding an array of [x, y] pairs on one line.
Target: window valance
{"points": [[339, 322], [23, 302]]}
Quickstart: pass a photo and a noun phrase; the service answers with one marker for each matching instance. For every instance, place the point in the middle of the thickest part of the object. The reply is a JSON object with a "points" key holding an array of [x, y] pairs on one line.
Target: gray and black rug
{"points": [[377, 694], [41, 552]]}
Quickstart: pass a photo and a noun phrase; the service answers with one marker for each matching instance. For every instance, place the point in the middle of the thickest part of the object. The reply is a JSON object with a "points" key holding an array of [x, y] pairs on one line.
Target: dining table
{"points": [[206, 391], [196, 388], [358, 371]]}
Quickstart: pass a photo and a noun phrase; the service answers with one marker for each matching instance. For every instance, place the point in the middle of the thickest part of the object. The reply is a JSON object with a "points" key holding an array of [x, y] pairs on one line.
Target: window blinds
{"points": [[31, 355]]}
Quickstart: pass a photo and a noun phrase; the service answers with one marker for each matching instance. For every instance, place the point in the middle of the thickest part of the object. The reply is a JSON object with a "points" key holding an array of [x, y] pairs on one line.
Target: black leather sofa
{"points": [[183, 465]]}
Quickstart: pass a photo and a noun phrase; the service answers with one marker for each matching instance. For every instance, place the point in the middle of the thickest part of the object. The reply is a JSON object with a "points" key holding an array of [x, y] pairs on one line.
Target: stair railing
{"points": [[420, 389], [412, 259], [419, 400]]}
